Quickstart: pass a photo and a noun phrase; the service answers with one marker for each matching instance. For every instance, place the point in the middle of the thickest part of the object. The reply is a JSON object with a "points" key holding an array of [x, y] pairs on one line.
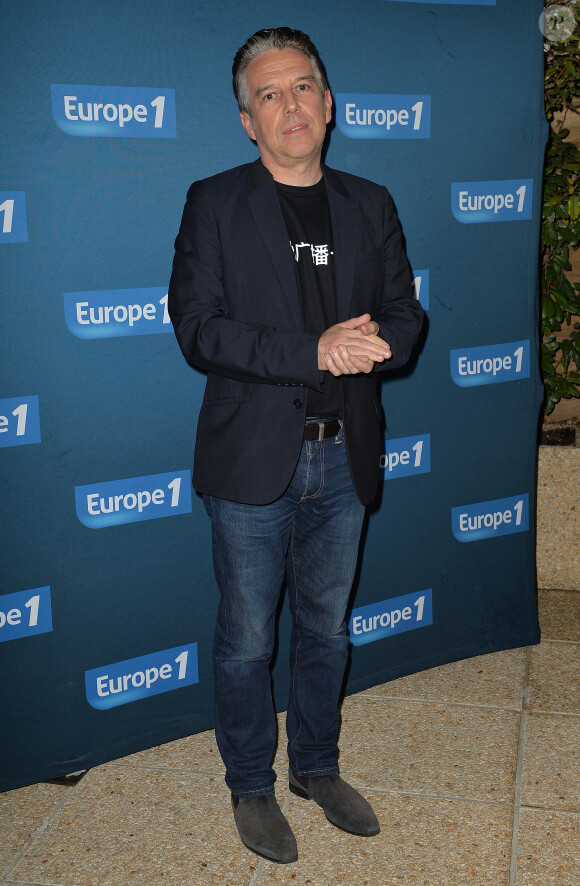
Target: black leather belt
{"points": [[320, 430]]}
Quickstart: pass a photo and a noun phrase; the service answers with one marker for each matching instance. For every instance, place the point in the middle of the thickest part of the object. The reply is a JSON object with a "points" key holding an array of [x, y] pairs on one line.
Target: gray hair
{"points": [[263, 41]]}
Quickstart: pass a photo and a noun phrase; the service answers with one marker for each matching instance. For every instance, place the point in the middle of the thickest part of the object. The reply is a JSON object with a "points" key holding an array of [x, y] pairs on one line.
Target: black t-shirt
{"points": [[307, 218]]}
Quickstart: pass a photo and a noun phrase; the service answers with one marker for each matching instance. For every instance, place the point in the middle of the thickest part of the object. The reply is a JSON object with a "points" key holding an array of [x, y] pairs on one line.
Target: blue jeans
{"points": [[310, 537]]}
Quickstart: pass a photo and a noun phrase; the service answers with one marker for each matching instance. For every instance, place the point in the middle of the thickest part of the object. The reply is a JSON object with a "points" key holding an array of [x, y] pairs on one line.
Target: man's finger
{"points": [[340, 357], [372, 353], [334, 370], [361, 365], [371, 328], [356, 322]]}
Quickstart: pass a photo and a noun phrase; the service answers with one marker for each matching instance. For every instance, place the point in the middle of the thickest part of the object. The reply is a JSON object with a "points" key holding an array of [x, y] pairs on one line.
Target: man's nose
{"points": [[290, 103]]}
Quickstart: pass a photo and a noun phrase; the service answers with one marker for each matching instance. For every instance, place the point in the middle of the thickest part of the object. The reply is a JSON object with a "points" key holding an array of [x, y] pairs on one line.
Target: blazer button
{"points": [[298, 404]]}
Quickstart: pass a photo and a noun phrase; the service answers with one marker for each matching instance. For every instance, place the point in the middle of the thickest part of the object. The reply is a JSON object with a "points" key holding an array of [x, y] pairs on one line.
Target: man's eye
{"points": [[269, 96]]}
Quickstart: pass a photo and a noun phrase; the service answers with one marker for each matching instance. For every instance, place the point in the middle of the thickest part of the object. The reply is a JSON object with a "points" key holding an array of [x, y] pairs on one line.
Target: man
{"points": [[290, 288]]}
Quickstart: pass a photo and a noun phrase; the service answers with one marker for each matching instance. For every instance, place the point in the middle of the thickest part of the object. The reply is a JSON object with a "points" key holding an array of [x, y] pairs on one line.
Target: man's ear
{"points": [[247, 124], [328, 105]]}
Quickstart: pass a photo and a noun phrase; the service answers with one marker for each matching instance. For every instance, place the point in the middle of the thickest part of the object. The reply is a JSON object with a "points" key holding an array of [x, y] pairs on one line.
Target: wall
{"points": [[107, 594]]}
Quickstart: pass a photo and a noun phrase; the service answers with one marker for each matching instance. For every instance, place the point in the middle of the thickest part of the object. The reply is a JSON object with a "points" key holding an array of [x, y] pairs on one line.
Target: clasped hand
{"points": [[352, 347]]}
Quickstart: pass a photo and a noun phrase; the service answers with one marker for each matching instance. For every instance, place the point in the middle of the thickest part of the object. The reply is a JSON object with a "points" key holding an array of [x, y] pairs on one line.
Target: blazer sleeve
{"points": [[400, 316], [210, 338]]}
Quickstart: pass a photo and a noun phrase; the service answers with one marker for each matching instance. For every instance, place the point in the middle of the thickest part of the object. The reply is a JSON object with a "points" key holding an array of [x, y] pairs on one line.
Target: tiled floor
{"points": [[473, 770]]}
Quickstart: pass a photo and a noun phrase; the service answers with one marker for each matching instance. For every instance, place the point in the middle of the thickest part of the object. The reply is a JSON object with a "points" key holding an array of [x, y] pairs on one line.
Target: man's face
{"points": [[288, 112]]}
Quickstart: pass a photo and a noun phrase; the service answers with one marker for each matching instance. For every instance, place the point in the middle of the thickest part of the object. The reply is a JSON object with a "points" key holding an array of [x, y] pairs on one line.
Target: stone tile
{"points": [[422, 841], [496, 679], [453, 751], [551, 776], [140, 826], [555, 678], [558, 518], [195, 753], [559, 613], [548, 849], [22, 812]]}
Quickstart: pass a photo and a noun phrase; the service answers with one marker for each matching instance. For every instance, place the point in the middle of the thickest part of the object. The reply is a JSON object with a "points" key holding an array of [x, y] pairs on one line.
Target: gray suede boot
{"points": [[263, 828], [343, 806]]}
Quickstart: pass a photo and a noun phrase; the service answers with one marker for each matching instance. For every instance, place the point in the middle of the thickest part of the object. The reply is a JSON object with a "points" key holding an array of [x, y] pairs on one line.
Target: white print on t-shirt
{"points": [[318, 252]]}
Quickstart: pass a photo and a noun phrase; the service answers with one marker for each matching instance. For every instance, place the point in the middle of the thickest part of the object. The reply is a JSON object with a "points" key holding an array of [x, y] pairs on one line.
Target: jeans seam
{"points": [[328, 770], [305, 495], [295, 665], [225, 620], [257, 792]]}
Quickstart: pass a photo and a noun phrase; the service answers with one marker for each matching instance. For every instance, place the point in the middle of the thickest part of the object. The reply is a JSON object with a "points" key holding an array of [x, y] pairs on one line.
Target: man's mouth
{"points": [[296, 127]]}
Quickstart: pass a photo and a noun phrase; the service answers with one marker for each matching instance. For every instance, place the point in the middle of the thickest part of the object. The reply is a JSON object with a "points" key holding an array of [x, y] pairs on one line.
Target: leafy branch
{"points": [[561, 222]]}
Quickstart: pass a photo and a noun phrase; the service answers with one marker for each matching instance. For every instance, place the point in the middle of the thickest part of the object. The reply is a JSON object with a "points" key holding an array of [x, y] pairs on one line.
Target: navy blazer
{"points": [[235, 306]]}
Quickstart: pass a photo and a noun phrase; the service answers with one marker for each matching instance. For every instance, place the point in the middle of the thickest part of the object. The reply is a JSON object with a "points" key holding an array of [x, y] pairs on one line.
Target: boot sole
{"points": [[304, 796], [271, 858], [298, 791]]}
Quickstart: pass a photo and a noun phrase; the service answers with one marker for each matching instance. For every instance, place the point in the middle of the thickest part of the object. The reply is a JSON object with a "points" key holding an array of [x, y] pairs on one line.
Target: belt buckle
{"points": [[320, 431]]}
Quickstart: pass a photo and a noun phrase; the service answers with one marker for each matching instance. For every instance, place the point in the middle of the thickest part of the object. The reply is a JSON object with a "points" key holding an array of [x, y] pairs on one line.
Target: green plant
{"points": [[561, 221]]}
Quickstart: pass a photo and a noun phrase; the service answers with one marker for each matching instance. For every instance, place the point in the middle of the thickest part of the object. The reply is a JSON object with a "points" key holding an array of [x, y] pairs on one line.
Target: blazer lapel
{"points": [[264, 205], [344, 220]]}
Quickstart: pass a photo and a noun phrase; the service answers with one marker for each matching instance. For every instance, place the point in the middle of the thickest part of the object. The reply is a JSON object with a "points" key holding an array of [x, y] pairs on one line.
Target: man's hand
{"points": [[352, 347]]}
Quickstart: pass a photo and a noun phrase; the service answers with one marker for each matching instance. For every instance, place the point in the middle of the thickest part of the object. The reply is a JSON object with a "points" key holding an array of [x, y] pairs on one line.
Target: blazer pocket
{"points": [[220, 390]]}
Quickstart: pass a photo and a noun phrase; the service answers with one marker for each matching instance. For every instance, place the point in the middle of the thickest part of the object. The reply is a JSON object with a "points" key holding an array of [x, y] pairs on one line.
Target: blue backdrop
{"points": [[109, 111]]}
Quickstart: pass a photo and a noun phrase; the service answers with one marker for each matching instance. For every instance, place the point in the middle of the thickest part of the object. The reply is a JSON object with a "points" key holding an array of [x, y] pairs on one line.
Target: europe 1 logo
{"points": [[114, 111]]}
